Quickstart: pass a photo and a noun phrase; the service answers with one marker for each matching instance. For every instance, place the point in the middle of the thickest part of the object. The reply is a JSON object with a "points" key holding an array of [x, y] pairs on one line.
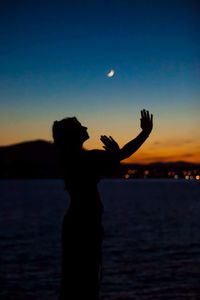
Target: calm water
{"points": [[151, 249]]}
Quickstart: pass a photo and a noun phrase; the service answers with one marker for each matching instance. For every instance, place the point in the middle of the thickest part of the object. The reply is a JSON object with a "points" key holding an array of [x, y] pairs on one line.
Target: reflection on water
{"points": [[151, 247]]}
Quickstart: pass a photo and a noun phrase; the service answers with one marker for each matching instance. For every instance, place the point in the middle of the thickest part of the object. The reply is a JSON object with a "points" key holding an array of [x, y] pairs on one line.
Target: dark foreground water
{"points": [[151, 249]]}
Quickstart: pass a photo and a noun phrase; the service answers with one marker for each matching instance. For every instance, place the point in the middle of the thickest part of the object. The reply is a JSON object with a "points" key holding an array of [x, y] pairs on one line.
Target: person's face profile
{"points": [[80, 131], [84, 133]]}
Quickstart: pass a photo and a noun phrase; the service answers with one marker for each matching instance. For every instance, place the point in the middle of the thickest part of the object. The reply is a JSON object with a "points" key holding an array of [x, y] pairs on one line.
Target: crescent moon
{"points": [[111, 73]]}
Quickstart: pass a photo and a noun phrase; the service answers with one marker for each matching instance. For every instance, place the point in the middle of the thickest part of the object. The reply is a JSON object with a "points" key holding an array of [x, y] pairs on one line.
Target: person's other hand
{"points": [[109, 143]]}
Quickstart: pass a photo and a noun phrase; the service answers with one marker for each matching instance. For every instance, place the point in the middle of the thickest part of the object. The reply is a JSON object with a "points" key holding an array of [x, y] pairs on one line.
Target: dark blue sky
{"points": [[44, 35], [54, 56]]}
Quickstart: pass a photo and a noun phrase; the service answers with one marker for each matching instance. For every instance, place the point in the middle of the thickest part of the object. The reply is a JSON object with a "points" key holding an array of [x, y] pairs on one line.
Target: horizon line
{"points": [[125, 162]]}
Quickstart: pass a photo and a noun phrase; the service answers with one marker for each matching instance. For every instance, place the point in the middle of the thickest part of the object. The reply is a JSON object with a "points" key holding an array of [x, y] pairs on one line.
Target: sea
{"points": [[151, 249]]}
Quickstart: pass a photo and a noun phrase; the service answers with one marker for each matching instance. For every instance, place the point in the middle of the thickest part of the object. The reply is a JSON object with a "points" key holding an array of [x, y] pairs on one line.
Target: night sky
{"points": [[54, 57]]}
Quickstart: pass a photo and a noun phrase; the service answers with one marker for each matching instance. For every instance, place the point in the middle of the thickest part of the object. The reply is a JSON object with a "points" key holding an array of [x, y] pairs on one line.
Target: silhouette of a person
{"points": [[82, 231]]}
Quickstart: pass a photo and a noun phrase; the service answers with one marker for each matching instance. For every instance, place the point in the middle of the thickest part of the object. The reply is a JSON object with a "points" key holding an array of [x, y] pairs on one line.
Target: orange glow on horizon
{"points": [[141, 159], [164, 155], [151, 151]]}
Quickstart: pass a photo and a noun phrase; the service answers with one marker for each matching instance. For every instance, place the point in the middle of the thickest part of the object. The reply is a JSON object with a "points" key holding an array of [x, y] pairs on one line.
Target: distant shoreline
{"points": [[38, 160]]}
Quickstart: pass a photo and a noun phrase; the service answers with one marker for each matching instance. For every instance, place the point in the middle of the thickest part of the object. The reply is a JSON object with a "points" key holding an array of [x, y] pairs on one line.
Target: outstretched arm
{"points": [[132, 146]]}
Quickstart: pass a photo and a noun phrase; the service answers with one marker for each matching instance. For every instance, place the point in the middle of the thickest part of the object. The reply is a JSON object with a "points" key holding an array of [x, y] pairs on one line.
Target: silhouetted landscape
{"points": [[37, 159]]}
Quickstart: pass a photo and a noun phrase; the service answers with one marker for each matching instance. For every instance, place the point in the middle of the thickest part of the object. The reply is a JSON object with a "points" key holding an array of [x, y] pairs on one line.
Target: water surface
{"points": [[151, 248]]}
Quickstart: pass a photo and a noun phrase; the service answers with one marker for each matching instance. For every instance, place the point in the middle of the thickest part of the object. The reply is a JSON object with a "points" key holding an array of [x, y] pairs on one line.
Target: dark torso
{"points": [[82, 231]]}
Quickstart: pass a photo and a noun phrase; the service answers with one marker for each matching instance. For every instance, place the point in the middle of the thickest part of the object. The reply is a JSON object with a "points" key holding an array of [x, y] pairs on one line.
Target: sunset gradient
{"points": [[54, 60]]}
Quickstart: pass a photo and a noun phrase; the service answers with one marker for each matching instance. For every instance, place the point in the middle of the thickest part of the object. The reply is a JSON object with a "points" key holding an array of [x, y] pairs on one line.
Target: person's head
{"points": [[69, 133]]}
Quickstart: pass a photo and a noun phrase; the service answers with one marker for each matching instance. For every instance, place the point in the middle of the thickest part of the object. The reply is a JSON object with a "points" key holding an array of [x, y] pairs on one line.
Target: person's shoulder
{"points": [[95, 153], [103, 155]]}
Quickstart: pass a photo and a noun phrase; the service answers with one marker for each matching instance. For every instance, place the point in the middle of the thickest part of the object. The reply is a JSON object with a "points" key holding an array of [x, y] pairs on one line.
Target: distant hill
{"points": [[37, 159], [34, 159]]}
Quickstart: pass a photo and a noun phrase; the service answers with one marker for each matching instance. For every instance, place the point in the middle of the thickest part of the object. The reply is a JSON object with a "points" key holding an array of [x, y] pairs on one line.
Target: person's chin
{"points": [[86, 137]]}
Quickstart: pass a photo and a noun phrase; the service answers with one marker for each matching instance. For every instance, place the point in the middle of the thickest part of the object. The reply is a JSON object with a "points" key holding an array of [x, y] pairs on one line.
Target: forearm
{"points": [[132, 146]]}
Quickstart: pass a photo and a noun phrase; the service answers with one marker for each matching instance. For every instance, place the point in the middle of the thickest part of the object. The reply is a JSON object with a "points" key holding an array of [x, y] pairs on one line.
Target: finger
{"points": [[103, 140], [114, 142], [111, 138], [104, 137], [106, 140], [147, 114]]}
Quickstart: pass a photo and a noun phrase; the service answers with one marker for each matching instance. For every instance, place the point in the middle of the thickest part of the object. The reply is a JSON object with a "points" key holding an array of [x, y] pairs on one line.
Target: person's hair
{"points": [[65, 132], [66, 135]]}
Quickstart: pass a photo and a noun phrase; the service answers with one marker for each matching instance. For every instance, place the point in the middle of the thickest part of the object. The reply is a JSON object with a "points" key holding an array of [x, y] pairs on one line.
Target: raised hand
{"points": [[109, 143], [146, 121]]}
